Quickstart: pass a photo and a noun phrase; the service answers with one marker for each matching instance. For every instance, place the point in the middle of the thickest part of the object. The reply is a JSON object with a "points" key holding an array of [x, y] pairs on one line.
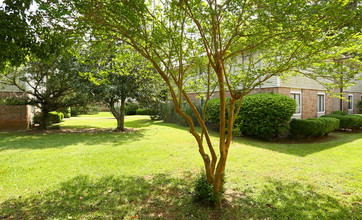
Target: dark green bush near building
{"points": [[351, 122], [144, 111], [130, 108], [313, 127], [263, 115], [337, 116], [339, 112], [53, 117], [306, 128]]}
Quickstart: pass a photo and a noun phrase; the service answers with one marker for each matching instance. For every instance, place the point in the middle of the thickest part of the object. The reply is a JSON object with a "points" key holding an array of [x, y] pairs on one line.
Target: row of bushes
{"points": [[346, 121], [317, 127]]}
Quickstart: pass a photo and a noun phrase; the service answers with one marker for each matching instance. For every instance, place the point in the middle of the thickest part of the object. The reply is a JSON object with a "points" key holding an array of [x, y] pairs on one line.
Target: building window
{"points": [[350, 102], [321, 104], [296, 97]]}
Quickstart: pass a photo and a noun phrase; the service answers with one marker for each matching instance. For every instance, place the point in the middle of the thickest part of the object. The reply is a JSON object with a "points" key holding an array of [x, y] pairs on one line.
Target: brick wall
{"points": [[14, 117], [356, 98]]}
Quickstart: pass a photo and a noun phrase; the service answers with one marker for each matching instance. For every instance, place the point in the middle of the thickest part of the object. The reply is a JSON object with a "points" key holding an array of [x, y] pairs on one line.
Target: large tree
{"points": [[50, 85], [120, 75], [236, 44]]}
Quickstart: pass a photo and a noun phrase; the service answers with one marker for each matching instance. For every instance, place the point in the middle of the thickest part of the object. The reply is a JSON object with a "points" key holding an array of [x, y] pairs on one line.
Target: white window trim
{"points": [[300, 106], [324, 102], [349, 102]]}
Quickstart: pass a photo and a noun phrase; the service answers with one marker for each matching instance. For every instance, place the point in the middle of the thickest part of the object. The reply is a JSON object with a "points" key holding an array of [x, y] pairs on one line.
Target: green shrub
{"points": [[307, 128], [53, 117], [313, 127], [338, 116], [130, 108], [144, 111], [332, 124], [262, 115], [351, 122], [213, 110], [339, 112], [204, 191]]}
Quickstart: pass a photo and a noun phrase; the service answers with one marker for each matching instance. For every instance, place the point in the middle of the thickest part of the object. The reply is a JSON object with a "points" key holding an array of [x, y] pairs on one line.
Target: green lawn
{"points": [[148, 173]]}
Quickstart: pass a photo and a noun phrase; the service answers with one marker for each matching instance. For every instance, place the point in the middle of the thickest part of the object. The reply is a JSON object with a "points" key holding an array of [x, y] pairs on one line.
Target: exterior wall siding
{"points": [[301, 83]]}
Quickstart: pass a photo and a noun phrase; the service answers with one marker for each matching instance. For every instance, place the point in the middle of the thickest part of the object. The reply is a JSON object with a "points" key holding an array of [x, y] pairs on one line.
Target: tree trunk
{"points": [[43, 120], [120, 120], [340, 100], [119, 115]]}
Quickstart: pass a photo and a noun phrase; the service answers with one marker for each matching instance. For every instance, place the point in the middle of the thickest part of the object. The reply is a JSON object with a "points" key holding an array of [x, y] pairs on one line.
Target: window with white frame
{"points": [[350, 102], [296, 97], [321, 103]]}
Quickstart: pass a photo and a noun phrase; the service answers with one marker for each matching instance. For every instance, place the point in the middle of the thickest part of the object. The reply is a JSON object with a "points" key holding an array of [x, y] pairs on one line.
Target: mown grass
{"points": [[148, 173]]}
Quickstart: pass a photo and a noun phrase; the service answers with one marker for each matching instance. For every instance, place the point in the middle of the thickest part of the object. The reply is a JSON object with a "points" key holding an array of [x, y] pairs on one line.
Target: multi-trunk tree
{"points": [[227, 46]]}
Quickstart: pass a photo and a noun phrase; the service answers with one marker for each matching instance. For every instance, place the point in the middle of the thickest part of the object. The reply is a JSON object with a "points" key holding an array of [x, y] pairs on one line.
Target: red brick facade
{"points": [[14, 117]]}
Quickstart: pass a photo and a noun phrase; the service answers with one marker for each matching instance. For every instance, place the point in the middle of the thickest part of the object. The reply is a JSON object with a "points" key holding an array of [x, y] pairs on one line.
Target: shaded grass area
{"points": [[149, 174], [165, 197]]}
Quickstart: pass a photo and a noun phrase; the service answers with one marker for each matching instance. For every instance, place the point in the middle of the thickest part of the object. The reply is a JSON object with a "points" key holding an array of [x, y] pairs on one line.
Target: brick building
{"points": [[14, 117], [312, 98]]}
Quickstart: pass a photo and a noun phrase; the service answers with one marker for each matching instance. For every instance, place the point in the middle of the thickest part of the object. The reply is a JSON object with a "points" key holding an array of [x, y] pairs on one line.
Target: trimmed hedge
{"points": [[339, 112], [338, 116], [313, 127], [351, 122], [144, 111], [262, 115], [306, 128]]}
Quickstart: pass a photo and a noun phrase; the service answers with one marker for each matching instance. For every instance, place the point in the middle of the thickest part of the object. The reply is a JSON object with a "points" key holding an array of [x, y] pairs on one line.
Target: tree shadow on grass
{"points": [[24, 140], [303, 147], [165, 197]]}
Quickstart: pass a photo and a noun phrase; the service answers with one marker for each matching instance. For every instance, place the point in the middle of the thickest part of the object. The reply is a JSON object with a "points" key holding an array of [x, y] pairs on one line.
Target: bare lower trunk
{"points": [[120, 120], [340, 100], [119, 115], [43, 120]]}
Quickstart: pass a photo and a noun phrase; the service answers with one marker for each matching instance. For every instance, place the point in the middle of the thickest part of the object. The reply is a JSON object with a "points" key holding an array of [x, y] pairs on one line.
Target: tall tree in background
{"points": [[234, 36]]}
